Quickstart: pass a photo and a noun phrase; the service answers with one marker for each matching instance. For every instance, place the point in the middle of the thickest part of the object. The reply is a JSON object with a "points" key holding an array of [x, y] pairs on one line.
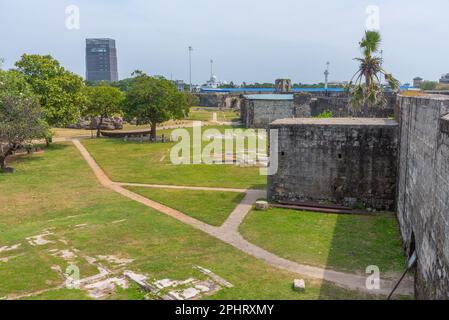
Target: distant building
{"points": [[213, 82], [445, 78], [101, 60], [180, 84], [417, 82]]}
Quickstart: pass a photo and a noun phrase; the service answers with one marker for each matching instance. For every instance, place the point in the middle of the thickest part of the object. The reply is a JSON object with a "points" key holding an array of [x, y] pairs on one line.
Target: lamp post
{"points": [[211, 68], [326, 76], [190, 68]]}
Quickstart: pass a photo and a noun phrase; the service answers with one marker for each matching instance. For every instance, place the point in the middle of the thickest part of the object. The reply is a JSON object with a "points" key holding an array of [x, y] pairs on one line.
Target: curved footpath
{"points": [[229, 234]]}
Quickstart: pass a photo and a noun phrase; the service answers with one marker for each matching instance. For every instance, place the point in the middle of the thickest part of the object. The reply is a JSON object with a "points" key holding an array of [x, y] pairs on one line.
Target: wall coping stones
{"points": [[335, 122], [428, 96]]}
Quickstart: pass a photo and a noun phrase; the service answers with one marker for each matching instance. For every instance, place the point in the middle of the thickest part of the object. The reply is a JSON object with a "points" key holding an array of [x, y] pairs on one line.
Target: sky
{"points": [[249, 40]]}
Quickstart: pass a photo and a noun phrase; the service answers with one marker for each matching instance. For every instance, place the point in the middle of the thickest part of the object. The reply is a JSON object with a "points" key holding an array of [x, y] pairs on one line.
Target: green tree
{"points": [[20, 115], [153, 100], [365, 85], [103, 101], [60, 91]]}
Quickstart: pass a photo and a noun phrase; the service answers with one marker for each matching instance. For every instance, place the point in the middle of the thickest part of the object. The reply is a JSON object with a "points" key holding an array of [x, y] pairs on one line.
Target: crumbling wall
{"points": [[260, 113], [283, 85], [343, 161], [341, 106], [423, 190], [219, 100], [213, 100]]}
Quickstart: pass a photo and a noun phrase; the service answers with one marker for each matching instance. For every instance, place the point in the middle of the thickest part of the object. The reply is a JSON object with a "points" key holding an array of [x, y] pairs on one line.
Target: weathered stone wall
{"points": [[219, 100], [283, 85], [423, 190], [341, 107], [343, 161], [214, 100], [260, 113]]}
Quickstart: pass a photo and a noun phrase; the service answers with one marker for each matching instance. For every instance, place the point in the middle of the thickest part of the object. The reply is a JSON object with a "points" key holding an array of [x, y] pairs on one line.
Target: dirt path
{"points": [[229, 234]]}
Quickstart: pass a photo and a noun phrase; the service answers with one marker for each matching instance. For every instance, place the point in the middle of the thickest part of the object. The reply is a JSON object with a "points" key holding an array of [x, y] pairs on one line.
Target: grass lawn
{"points": [[211, 207], [205, 114], [150, 163], [57, 192], [342, 242]]}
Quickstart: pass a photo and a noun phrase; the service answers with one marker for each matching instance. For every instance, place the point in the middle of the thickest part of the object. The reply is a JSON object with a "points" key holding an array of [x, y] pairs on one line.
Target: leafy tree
{"points": [[103, 101], [20, 115], [367, 87], [153, 100], [60, 91], [124, 84]]}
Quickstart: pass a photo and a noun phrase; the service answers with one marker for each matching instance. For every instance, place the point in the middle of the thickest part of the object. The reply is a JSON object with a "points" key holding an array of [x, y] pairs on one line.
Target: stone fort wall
{"points": [[423, 190], [260, 113], [345, 161]]}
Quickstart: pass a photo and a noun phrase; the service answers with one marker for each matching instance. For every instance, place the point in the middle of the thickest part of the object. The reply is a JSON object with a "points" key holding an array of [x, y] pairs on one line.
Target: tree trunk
{"points": [[2, 163], [153, 132], [99, 127], [48, 141]]}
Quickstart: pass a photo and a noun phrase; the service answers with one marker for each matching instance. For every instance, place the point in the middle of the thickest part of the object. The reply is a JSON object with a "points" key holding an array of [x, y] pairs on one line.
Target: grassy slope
{"points": [[150, 163], [57, 190], [208, 206], [341, 242]]}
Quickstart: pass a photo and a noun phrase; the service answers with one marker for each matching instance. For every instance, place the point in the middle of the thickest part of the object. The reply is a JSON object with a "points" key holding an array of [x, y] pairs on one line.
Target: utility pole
{"points": [[211, 68], [190, 68], [326, 76]]}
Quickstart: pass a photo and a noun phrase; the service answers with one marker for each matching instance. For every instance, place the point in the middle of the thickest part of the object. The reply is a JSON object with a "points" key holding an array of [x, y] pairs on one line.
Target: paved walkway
{"points": [[229, 234], [164, 186]]}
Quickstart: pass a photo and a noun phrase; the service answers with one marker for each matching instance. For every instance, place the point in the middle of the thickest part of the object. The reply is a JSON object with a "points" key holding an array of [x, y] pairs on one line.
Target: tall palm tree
{"points": [[365, 86]]}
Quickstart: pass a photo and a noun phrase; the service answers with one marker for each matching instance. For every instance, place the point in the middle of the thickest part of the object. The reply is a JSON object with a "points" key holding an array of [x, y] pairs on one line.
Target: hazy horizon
{"points": [[251, 41]]}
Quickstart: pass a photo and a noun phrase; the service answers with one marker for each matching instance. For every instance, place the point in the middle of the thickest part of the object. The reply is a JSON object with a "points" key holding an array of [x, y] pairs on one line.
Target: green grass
{"points": [[211, 207], [150, 163], [205, 114], [57, 190], [342, 242]]}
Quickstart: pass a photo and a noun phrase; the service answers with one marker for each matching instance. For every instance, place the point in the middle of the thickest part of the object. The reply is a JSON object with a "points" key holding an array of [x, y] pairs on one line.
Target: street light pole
{"points": [[190, 67], [326, 76], [211, 68]]}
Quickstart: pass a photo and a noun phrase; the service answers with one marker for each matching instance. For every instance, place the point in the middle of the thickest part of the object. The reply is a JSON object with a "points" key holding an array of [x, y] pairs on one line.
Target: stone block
{"points": [[299, 285], [262, 205]]}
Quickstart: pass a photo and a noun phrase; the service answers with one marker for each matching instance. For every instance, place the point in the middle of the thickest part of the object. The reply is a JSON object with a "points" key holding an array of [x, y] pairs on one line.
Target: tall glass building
{"points": [[101, 60]]}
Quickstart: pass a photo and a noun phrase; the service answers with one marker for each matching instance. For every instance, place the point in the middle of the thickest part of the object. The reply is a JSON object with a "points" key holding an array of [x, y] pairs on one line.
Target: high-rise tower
{"points": [[101, 60]]}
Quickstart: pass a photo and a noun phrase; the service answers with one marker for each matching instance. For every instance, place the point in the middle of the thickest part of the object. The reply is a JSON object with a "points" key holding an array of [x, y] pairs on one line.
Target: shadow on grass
{"points": [[362, 243], [33, 157]]}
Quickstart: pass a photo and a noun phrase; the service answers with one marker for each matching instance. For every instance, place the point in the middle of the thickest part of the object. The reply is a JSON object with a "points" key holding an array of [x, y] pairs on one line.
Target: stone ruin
{"points": [[87, 123], [283, 85], [113, 271], [258, 111]]}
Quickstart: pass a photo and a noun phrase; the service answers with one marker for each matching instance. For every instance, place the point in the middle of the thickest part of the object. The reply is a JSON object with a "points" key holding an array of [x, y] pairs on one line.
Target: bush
{"points": [[326, 114]]}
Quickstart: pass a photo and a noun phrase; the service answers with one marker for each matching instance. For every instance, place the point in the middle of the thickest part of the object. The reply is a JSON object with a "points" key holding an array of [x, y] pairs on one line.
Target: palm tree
{"points": [[367, 87]]}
